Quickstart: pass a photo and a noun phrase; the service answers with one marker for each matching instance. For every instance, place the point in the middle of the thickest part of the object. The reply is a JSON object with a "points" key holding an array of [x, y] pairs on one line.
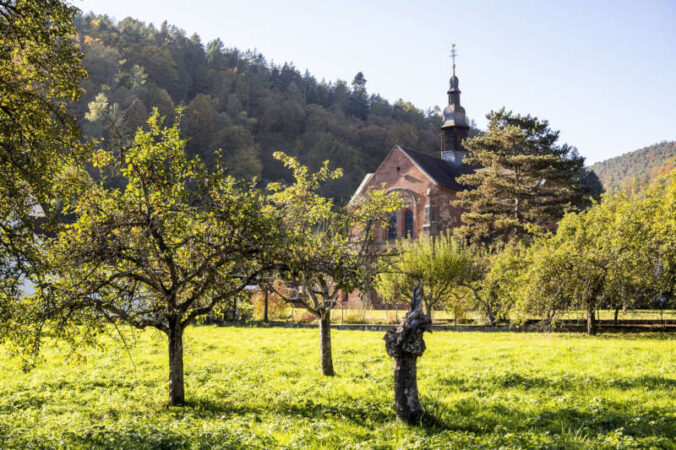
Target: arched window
{"points": [[392, 227], [408, 224]]}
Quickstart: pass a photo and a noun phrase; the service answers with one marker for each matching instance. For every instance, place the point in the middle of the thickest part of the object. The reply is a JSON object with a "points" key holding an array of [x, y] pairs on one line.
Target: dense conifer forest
{"points": [[240, 103]]}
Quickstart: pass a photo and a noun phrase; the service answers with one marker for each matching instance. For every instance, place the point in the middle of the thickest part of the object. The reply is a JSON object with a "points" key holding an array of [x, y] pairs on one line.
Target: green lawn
{"points": [[250, 388]]}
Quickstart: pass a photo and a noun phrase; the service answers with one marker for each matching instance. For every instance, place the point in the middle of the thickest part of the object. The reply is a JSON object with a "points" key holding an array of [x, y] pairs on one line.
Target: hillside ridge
{"points": [[639, 166]]}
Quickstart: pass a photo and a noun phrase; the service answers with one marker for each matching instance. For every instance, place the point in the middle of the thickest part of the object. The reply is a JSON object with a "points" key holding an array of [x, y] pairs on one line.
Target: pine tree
{"points": [[525, 180], [359, 102]]}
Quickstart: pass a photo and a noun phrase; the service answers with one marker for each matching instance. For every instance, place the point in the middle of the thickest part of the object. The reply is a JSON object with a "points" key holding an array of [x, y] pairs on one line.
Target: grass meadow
{"points": [[262, 388]]}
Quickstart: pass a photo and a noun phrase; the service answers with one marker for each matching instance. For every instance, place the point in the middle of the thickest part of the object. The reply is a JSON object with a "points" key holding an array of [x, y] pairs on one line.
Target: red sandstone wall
{"points": [[399, 174]]}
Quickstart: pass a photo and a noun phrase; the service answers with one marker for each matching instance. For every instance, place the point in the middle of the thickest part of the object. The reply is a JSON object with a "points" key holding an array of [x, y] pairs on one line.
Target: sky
{"points": [[601, 72]]}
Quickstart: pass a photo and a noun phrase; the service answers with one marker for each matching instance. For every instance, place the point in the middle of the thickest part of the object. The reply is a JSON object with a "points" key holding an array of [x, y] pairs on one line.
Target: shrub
{"points": [[277, 307], [354, 317], [305, 317]]}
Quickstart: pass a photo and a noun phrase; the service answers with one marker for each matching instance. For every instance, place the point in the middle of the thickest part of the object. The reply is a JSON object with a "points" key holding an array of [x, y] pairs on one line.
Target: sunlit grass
{"points": [[251, 388]]}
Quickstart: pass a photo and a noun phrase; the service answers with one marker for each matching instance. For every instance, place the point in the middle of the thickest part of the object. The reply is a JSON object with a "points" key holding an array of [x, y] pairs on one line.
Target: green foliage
{"points": [[440, 262], [256, 388], [327, 249], [40, 71], [359, 102], [637, 169], [175, 244], [525, 181], [619, 253], [489, 282]]}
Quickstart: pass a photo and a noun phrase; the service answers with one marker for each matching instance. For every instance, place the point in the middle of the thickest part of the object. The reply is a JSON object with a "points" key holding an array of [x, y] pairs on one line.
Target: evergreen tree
{"points": [[525, 180], [359, 101]]}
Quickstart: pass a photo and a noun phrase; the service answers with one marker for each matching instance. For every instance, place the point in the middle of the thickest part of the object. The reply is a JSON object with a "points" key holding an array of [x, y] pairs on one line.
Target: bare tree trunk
{"points": [[406, 401], [265, 310], [405, 345], [617, 314], [591, 320], [325, 343], [176, 386]]}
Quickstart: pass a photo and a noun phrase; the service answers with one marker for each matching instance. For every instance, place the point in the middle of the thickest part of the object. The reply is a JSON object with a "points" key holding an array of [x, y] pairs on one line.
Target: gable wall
{"points": [[417, 189], [409, 181]]}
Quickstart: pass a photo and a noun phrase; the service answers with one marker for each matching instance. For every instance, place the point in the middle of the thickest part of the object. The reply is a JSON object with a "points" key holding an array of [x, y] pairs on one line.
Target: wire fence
{"points": [[395, 316]]}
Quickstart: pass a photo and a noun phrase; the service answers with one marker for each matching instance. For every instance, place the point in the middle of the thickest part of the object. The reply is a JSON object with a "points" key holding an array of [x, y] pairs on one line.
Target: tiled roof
{"points": [[441, 171]]}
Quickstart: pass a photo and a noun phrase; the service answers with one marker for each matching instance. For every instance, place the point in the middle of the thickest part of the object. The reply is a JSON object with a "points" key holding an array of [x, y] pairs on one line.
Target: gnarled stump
{"points": [[405, 345]]}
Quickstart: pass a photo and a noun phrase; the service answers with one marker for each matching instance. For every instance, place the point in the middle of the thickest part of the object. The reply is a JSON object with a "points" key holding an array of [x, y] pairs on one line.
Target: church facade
{"points": [[427, 184]]}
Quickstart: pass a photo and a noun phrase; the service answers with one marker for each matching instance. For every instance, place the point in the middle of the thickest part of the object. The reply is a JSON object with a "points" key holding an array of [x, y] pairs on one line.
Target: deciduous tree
{"points": [[488, 283], [174, 244], [40, 72], [439, 262], [327, 249], [616, 253]]}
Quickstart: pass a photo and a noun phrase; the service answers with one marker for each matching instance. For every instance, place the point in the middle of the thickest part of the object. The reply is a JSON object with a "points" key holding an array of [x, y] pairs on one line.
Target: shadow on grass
{"points": [[556, 384], [480, 419], [467, 416], [358, 413], [473, 415]]}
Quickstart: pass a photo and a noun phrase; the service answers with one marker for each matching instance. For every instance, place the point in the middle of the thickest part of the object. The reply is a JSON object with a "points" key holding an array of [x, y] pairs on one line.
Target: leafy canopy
{"points": [[171, 246], [619, 253], [328, 248], [440, 262], [40, 73]]}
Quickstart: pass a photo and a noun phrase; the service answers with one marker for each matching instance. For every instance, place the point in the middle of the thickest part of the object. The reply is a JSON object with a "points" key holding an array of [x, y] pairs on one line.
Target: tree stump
{"points": [[405, 345]]}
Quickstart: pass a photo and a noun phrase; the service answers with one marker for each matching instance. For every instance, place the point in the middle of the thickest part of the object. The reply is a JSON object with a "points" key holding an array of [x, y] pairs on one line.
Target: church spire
{"points": [[454, 90], [455, 127]]}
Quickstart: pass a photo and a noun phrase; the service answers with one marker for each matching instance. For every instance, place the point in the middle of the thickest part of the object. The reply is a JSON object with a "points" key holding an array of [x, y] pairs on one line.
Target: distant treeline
{"points": [[242, 104], [641, 166]]}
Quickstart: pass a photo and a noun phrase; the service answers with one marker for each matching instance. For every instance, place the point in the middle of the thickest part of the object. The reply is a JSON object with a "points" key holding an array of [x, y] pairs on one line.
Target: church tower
{"points": [[455, 127]]}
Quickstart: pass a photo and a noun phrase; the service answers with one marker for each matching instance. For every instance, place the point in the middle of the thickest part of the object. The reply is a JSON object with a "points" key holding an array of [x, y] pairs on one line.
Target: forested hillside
{"points": [[641, 165], [239, 102]]}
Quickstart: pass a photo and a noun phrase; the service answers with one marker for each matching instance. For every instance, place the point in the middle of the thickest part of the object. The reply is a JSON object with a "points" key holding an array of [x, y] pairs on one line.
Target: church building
{"points": [[427, 183]]}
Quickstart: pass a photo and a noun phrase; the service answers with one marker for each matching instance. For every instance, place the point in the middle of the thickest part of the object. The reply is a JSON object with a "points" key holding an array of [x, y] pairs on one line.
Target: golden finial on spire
{"points": [[454, 53]]}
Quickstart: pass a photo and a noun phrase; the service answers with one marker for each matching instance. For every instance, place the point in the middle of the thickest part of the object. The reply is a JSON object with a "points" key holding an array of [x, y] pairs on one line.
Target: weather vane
{"points": [[453, 55]]}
